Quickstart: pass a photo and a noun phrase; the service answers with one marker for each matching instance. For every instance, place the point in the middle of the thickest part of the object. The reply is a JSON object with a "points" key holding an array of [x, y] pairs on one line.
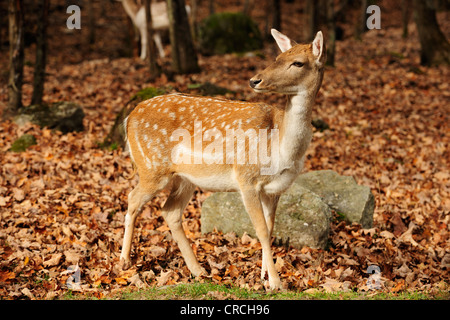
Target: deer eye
{"points": [[298, 64]]}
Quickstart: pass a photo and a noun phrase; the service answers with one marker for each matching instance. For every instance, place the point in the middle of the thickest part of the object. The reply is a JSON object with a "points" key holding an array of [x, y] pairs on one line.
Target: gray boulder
{"points": [[304, 210], [63, 116], [302, 219], [353, 202]]}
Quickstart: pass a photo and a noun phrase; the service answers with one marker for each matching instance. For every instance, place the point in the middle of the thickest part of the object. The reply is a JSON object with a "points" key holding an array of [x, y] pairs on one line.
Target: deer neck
{"points": [[299, 107], [296, 131]]}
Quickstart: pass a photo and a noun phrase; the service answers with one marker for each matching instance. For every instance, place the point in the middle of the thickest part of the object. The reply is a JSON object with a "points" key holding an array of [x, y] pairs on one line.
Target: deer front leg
{"points": [[269, 205], [252, 203]]}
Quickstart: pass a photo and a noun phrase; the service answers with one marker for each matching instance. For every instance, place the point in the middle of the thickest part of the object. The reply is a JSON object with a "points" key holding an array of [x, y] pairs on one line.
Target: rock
{"points": [[23, 143], [302, 219], [63, 116], [355, 203], [304, 211], [228, 32]]}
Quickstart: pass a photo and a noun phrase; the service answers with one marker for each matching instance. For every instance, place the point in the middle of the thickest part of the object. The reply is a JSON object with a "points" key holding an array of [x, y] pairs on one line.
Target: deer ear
{"points": [[318, 46], [284, 43]]}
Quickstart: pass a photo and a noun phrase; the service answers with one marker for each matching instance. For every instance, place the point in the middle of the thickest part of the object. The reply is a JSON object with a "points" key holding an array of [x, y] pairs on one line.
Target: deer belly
{"points": [[216, 182]]}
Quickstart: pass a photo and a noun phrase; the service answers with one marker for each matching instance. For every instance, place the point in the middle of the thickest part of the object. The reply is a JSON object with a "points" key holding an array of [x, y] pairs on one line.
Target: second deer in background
{"points": [[160, 21]]}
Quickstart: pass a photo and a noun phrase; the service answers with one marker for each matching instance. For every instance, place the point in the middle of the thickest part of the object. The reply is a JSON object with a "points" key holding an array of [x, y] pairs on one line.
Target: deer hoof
{"points": [[124, 264]]}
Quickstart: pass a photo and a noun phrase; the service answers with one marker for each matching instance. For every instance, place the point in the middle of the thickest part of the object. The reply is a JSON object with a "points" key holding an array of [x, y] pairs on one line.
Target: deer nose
{"points": [[253, 82]]}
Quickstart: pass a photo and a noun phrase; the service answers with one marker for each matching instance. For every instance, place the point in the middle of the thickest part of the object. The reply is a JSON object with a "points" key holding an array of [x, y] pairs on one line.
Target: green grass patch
{"points": [[148, 93], [211, 291], [21, 144]]}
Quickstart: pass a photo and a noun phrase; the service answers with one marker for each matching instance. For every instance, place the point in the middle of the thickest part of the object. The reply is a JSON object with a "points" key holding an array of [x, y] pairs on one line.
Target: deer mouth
{"points": [[259, 90], [256, 85]]}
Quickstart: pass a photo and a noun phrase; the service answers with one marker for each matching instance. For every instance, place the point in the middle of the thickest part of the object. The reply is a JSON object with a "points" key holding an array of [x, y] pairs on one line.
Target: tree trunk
{"points": [[311, 19], [194, 15], [405, 17], [331, 26], [248, 6], [91, 23], [435, 48], [154, 68], [41, 52], [276, 18], [361, 26], [16, 56], [184, 56]]}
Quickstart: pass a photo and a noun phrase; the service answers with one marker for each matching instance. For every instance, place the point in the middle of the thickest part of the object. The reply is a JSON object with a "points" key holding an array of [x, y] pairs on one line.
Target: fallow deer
{"points": [[155, 126]]}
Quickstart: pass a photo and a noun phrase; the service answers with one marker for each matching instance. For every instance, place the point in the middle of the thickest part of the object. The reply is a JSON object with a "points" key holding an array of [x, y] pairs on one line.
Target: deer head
{"points": [[299, 68]]}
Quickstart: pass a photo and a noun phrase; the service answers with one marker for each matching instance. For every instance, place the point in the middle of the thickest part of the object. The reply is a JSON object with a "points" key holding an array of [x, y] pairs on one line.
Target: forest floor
{"points": [[63, 201]]}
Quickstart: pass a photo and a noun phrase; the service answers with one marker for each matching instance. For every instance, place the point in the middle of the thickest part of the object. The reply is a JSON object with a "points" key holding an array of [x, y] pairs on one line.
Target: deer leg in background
{"points": [[158, 42]]}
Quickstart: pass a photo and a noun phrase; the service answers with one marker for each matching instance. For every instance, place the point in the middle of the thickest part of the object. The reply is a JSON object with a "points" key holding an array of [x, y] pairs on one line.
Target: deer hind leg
{"points": [[137, 198], [172, 212], [251, 199], [269, 205], [143, 34], [158, 42]]}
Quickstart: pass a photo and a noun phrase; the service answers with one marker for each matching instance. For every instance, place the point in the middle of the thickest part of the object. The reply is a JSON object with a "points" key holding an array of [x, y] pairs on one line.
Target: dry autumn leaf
{"points": [[332, 285], [6, 275], [53, 261], [164, 277], [121, 281]]}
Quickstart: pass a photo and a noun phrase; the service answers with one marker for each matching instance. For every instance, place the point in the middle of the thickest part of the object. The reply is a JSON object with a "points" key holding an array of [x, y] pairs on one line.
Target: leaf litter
{"points": [[63, 201]]}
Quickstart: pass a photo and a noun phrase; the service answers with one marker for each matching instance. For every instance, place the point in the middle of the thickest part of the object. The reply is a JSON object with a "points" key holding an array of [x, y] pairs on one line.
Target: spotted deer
{"points": [[156, 126]]}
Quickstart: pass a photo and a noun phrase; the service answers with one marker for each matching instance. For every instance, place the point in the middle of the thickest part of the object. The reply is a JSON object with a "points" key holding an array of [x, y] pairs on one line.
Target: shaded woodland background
{"points": [[63, 200]]}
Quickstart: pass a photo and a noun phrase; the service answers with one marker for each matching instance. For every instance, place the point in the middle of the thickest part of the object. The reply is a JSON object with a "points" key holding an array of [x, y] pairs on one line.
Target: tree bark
{"points": [[276, 18], [361, 27], [331, 26], [184, 56], [405, 17], [91, 23], [41, 52], [151, 49], [311, 19], [194, 15], [248, 6], [435, 49], [16, 56]]}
